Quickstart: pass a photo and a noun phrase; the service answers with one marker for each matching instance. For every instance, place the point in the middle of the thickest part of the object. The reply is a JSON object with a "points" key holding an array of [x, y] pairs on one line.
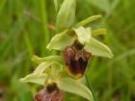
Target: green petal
{"points": [[97, 48], [83, 34], [88, 20], [99, 31], [60, 41], [75, 87]]}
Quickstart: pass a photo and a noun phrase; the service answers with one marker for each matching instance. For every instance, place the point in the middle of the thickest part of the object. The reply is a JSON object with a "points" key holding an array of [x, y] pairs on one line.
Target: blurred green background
{"points": [[26, 27]]}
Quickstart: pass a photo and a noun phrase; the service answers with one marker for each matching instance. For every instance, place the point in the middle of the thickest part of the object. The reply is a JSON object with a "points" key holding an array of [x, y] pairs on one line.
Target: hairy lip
{"points": [[44, 95], [76, 59]]}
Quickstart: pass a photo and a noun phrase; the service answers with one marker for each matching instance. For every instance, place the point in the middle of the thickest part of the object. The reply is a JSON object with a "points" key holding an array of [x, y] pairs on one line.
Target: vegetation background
{"points": [[26, 26]]}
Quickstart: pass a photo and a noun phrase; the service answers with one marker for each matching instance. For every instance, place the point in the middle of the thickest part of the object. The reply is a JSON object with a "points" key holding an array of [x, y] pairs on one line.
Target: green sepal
{"points": [[51, 58], [60, 41], [39, 79], [66, 14], [97, 48], [75, 87]]}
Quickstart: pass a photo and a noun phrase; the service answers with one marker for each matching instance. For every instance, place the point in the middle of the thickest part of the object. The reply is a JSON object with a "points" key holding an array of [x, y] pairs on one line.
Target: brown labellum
{"points": [[76, 59], [51, 93]]}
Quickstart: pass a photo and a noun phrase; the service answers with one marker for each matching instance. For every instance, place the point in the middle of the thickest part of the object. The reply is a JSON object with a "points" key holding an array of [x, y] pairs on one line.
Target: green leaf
{"points": [[88, 20], [97, 48], [83, 34], [35, 78], [75, 87], [60, 41], [66, 14]]}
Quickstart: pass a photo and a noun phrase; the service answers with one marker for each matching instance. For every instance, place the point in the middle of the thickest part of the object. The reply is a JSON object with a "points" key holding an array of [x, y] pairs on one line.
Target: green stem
{"points": [[44, 19], [90, 87]]}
